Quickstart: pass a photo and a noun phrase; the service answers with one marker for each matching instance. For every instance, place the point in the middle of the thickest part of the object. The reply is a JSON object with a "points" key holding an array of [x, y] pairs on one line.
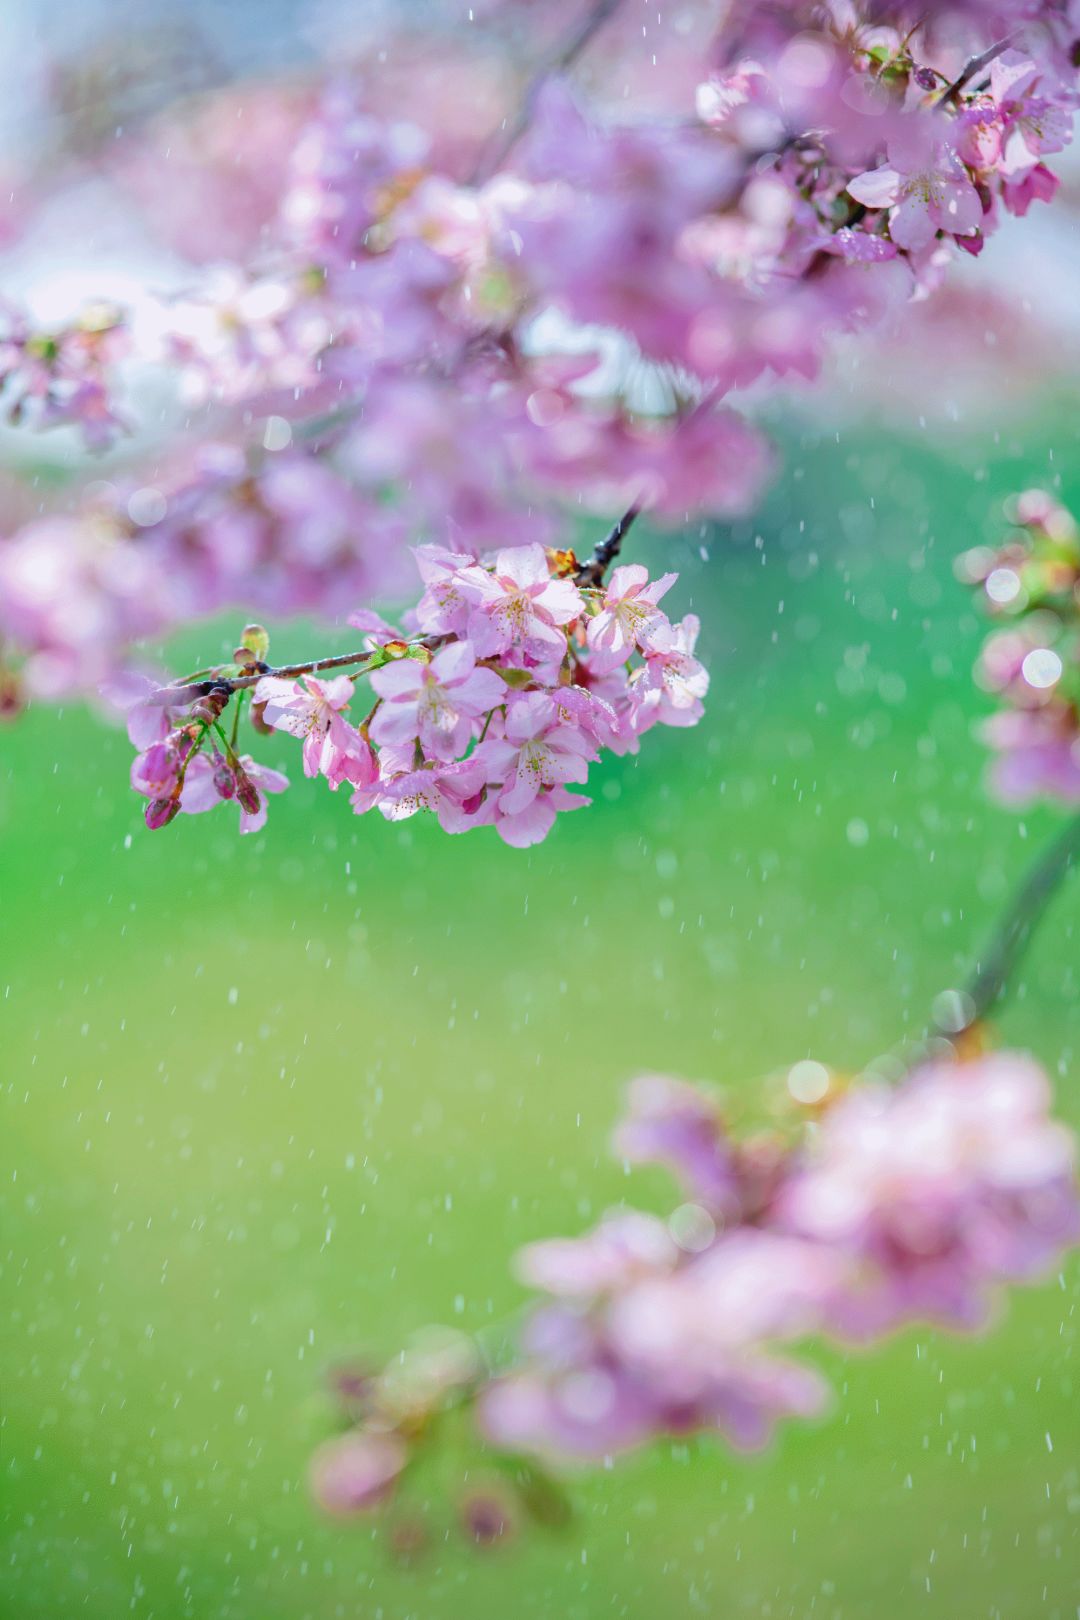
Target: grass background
{"points": [[273, 1101]]}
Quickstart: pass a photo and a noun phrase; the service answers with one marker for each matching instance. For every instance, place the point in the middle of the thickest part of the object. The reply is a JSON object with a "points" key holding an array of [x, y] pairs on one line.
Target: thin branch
{"points": [[226, 685], [184, 692], [974, 67], [563, 56], [592, 572], [1006, 947]]}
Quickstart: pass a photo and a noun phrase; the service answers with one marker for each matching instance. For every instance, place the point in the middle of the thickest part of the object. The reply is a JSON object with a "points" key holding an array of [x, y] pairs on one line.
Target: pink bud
{"points": [[246, 791], [159, 812], [486, 1518], [224, 780]]}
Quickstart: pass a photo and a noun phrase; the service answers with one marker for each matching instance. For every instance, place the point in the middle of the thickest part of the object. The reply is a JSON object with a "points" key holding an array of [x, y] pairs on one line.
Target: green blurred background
{"points": [[274, 1101]]}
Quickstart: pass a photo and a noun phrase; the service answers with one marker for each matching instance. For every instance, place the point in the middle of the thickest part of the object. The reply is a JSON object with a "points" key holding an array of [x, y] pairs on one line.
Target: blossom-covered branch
{"points": [[510, 679], [417, 357], [856, 1205], [857, 1210]]}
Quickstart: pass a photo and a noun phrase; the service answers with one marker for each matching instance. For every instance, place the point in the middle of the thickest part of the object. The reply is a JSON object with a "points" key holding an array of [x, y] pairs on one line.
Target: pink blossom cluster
{"points": [[52, 377], [512, 677], [1031, 585], [883, 1207], [560, 318], [79, 590]]}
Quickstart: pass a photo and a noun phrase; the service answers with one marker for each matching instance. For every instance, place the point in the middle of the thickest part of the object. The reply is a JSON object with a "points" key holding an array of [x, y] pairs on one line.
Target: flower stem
{"points": [[995, 968]]}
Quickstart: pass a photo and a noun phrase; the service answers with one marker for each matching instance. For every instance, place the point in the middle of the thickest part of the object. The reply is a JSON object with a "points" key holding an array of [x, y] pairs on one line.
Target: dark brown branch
{"points": [[974, 67], [226, 685], [592, 572]]}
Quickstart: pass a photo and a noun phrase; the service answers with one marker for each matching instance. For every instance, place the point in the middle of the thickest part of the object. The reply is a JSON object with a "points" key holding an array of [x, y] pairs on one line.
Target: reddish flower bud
{"points": [[255, 640], [159, 812], [246, 792], [485, 1517], [224, 780]]}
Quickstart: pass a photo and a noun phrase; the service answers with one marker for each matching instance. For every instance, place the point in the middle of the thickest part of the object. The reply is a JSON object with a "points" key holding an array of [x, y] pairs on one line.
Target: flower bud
{"points": [[485, 1518], [256, 640], [224, 780], [358, 1471], [11, 698], [246, 792], [159, 812], [925, 78]]}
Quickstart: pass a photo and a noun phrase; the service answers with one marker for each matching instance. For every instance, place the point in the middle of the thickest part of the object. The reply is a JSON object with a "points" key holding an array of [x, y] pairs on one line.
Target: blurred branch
{"points": [[1006, 947], [563, 56]]}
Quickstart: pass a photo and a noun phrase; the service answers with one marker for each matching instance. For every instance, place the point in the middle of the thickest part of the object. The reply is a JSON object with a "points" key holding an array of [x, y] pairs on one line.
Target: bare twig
{"points": [[226, 685], [592, 572], [1012, 936], [974, 67]]}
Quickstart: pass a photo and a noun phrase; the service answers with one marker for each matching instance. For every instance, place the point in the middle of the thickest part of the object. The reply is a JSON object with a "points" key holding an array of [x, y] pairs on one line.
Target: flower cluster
{"points": [[512, 676], [56, 377], [568, 325], [1031, 585], [876, 1208]]}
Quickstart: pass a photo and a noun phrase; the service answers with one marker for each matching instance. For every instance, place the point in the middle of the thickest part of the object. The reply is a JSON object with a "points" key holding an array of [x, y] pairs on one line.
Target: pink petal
{"points": [[402, 679], [525, 565], [531, 826], [877, 188], [910, 225]]}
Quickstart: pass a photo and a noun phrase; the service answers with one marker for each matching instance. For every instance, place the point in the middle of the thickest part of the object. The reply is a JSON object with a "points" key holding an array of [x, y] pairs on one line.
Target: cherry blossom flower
{"points": [[673, 683], [534, 757], [629, 616], [519, 605], [925, 187], [953, 1182], [332, 747], [678, 1126], [437, 702]]}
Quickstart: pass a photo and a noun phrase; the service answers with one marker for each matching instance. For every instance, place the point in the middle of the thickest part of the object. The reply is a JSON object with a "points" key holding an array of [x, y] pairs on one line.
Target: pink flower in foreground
{"points": [[925, 187], [443, 609], [954, 1182], [629, 617], [519, 605], [208, 781], [1036, 185], [454, 793], [1037, 118], [332, 747], [670, 688], [534, 757], [437, 702]]}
